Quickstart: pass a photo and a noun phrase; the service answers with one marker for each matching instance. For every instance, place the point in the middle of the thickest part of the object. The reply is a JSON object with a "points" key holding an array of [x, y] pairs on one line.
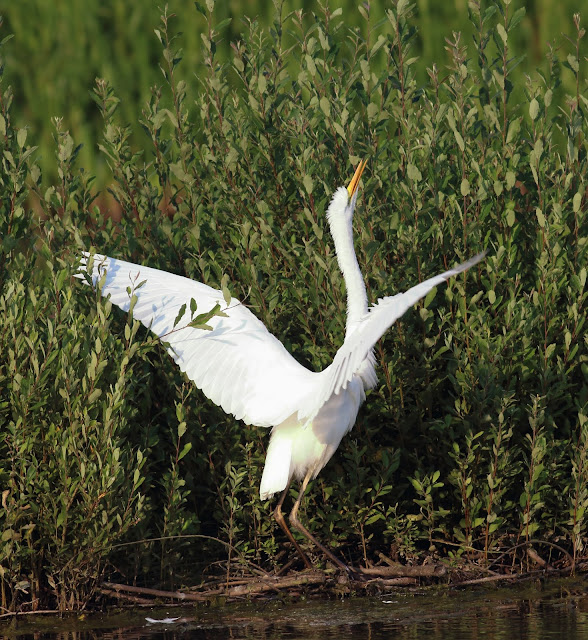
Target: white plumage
{"points": [[245, 370]]}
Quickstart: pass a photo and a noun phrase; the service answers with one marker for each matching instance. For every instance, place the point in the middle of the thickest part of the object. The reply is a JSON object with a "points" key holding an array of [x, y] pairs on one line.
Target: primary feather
{"points": [[238, 364]]}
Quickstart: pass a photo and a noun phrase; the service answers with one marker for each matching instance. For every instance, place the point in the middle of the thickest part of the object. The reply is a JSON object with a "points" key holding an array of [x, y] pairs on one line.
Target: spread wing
{"points": [[238, 364], [378, 320]]}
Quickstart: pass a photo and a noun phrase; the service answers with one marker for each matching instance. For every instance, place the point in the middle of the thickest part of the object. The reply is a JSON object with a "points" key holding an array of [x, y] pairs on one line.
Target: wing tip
{"points": [[472, 261]]}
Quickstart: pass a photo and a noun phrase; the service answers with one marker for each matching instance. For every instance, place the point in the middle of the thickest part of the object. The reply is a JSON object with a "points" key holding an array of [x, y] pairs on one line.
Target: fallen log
{"points": [[400, 570], [262, 585]]}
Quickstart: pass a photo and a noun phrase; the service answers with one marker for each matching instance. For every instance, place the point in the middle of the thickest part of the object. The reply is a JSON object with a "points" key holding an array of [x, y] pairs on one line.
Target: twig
{"points": [[125, 596], [252, 566], [516, 576], [534, 541], [512, 576], [15, 614], [285, 567], [223, 581]]}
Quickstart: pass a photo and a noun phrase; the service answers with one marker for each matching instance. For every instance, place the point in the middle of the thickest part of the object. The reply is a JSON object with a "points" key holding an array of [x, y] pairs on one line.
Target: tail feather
{"points": [[276, 473]]}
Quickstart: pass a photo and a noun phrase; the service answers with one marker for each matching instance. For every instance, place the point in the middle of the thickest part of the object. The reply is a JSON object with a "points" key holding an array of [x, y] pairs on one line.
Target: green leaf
{"points": [[178, 170], [201, 319], [416, 484], [413, 173], [21, 137], [7, 534], [222, 24], [180, 315], [185, 449], [517, 16], [94, 396], [227, 295], [573, 62], [402, 7], [510, 179], [459, 139], [513, 129], [61, 518], [502, 32], [429, 297]]}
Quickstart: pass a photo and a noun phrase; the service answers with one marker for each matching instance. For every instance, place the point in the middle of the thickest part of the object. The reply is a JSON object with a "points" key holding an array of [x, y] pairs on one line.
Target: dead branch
{"points": [[272, 584], [125, 596], [157, 593], [40, 612], [517, 576], [392, 582], [536, 558], [512, 576], [396, 569]]}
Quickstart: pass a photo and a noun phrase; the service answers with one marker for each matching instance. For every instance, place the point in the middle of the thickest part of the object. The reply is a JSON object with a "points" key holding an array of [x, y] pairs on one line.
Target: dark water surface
{"points": [[555, 609]]}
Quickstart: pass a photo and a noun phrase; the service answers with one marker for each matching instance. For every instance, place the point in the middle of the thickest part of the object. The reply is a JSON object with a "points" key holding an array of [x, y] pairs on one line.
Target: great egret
{"points": [[244, 369]]}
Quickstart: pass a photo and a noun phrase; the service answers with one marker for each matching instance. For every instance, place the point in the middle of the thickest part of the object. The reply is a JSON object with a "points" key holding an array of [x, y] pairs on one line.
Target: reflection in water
{"points": [[557, 609]]}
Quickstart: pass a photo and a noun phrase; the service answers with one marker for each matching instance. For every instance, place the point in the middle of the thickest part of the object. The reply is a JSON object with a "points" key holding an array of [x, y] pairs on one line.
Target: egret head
{"points": [[353, 186], [343, 203]]}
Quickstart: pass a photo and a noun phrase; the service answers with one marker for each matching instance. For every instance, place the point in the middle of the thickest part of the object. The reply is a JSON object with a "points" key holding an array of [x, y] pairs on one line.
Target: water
{"points": [[556, 609]]}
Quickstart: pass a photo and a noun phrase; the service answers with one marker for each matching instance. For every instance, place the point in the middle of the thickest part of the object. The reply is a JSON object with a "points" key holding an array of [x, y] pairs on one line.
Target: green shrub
{"points": [[70, 481], [61, 47], [476, 434]]}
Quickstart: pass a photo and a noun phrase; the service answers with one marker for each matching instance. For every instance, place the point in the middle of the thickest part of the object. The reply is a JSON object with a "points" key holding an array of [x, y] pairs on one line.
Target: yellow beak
{"points": [[353, 185]]}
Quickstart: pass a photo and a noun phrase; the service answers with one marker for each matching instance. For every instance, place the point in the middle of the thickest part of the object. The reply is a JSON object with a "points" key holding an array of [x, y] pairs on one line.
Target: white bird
{"points": [[245, 370]]}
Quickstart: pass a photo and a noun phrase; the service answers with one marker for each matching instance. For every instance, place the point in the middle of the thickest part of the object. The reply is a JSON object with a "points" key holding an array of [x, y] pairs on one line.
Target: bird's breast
{"points": [[314, 445], [297, 447]]}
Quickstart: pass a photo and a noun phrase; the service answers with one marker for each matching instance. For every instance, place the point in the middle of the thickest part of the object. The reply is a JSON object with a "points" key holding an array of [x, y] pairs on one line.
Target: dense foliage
{"points": [[475, 439], [61, 47]]}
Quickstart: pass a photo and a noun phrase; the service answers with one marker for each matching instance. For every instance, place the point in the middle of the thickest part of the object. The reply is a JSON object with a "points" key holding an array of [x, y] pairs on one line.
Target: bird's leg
{"points": [[279, 516], [305, 532]]}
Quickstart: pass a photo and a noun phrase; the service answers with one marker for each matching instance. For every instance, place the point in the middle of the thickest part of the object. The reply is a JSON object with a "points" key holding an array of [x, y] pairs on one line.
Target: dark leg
{"points": [[305, 532], [279, 516]]}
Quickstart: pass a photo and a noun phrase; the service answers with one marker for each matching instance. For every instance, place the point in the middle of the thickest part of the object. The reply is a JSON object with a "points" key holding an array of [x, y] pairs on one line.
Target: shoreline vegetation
{"points": [[307, 584], [470, 457]]}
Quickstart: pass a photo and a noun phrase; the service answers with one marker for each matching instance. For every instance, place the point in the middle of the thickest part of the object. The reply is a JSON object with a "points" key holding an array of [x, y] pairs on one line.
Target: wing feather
{"points": [[379, 319], [239, 364]]}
